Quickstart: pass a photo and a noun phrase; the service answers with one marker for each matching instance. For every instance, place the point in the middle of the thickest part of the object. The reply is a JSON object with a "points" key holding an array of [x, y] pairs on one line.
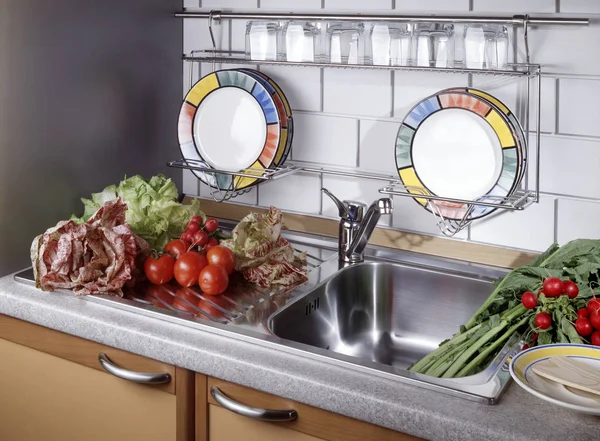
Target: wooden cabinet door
{"points": [[311, 423], [226, 426], [47, 398], [53, 387]]}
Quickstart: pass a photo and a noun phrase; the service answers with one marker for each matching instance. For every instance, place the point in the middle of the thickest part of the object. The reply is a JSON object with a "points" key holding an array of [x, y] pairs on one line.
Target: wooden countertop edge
{"points": [[401, 240]]}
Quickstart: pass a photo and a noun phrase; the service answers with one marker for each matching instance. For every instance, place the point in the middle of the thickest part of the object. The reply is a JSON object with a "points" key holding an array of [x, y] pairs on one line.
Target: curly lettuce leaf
{"points": [[153, 212]]}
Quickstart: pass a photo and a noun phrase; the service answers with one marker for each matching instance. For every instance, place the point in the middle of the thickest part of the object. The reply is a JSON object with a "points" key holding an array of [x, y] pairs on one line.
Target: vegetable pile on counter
{"points": [[194, 259], [139, 224], [153, 212], [552, 300]]}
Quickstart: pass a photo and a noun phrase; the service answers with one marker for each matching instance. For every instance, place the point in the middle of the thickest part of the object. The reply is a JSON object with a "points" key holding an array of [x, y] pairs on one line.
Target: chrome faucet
{"points": [[355, 230]]}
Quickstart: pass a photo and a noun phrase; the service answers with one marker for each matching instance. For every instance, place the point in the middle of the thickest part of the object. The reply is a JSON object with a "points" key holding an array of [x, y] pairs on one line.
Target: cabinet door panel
{"points": [[43, 397], [225, 425]]}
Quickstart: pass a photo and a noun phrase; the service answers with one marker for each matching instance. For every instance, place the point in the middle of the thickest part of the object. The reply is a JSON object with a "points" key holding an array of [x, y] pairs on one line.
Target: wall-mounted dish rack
{"points": [[531, 74]]}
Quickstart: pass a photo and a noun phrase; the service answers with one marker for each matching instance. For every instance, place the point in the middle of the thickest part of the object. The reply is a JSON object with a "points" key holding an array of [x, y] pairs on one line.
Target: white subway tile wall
{"points": [[579, 113], [350, 118], [577, 219], [357, 92], [513, 6]]}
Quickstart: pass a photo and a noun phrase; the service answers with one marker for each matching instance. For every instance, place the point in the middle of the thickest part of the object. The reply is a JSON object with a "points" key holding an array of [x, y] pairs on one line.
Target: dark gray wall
{"points": [[90, 90]]}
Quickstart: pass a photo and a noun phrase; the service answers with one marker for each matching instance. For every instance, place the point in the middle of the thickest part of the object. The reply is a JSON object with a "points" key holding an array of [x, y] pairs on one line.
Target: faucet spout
{"points": [[355, 250]]}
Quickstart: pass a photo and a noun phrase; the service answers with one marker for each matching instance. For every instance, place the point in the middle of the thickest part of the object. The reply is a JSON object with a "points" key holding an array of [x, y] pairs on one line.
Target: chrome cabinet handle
{"points": [[136, 377], [271, 415]]}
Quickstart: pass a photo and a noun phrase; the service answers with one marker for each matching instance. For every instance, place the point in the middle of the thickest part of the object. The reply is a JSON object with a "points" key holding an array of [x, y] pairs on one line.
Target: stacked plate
{"points": [[236, 121], [461, 144]]}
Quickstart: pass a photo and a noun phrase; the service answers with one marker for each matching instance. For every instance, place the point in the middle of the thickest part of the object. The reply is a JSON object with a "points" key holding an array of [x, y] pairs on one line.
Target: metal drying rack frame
{"points": [[518, 200]]}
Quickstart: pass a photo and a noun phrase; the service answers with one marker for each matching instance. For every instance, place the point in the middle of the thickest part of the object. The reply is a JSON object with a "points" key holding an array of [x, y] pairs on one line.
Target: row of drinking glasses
{"points": [[479, 46]]}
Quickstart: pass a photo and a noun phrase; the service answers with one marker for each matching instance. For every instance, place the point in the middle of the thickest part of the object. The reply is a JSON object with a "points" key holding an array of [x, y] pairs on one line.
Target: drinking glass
{"points": [[301, 41], [433, 45], [485, 46], [390, 44], [261, 40], [346, 43]]}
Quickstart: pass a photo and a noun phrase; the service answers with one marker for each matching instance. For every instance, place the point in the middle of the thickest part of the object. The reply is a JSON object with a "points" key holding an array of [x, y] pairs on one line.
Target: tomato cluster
{"points": [[194, 259]]}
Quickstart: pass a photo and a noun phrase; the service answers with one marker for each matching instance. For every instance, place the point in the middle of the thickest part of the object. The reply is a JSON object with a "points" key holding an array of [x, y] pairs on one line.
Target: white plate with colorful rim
{"points": [[460, 146], [229, 121], [513, 122], [285, 115], [551, 391]]}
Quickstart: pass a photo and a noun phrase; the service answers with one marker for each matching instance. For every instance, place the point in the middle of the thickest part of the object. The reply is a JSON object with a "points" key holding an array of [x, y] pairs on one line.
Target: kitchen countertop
{"points": [[402, 407]]}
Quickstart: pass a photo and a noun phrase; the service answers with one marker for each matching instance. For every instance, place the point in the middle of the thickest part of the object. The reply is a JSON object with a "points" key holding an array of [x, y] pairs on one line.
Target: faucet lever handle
{"points": [[349, 210]]}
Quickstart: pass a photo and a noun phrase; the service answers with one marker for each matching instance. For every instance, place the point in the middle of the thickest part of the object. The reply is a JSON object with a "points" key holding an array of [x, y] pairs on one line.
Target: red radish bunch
{"points": [[554, 287], [200, 233], [590, 324]]}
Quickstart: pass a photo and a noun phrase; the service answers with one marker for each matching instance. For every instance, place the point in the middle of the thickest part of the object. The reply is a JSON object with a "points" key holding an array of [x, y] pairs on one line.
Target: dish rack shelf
{"points": [[439, 206], [238, 57]]}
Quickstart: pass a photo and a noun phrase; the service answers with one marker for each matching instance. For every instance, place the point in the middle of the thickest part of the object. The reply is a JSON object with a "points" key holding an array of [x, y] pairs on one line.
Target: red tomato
{"points": [[595, 319], [177, 247], [596, 338], [583, 313], [553, 287], [543, 320], [213, 280], [221, 256], [188, 267], [570, 288], [159, 270], [212, 242], [583, 327], [200, 238], [593, 305], [211, 225], [529, 300]]}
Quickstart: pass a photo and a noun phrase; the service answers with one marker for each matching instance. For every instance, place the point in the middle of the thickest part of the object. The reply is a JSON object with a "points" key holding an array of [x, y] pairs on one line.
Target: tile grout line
{"points": [[322, 89], [556, 104], [556, 220], [358, 143], [392, 90], [557, 6], [321, 194]]}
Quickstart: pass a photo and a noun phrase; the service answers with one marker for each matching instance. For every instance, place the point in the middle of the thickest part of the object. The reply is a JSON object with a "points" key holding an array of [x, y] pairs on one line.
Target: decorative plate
{"points": [[520, 370], [285, 114], [512, 121], [459, 146], [229, 121]]}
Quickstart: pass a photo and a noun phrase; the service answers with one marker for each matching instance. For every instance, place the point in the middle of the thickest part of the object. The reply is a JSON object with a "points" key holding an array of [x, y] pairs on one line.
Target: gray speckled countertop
{"points": [[402, 407]]}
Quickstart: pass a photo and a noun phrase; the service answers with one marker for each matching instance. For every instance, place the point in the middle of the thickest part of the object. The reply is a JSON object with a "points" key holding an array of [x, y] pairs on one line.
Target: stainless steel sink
{"points": [[384, 316], [383, 312]]}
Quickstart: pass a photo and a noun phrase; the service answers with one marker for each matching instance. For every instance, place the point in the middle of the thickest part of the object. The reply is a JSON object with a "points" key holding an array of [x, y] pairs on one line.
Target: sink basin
{"points": [[383, 312], [384, 316]]}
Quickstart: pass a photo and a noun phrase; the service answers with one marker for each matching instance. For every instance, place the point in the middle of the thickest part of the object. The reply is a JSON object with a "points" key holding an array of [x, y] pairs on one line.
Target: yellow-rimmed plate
{"points": [[457, 145], [229, 121], [551, 391]]}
